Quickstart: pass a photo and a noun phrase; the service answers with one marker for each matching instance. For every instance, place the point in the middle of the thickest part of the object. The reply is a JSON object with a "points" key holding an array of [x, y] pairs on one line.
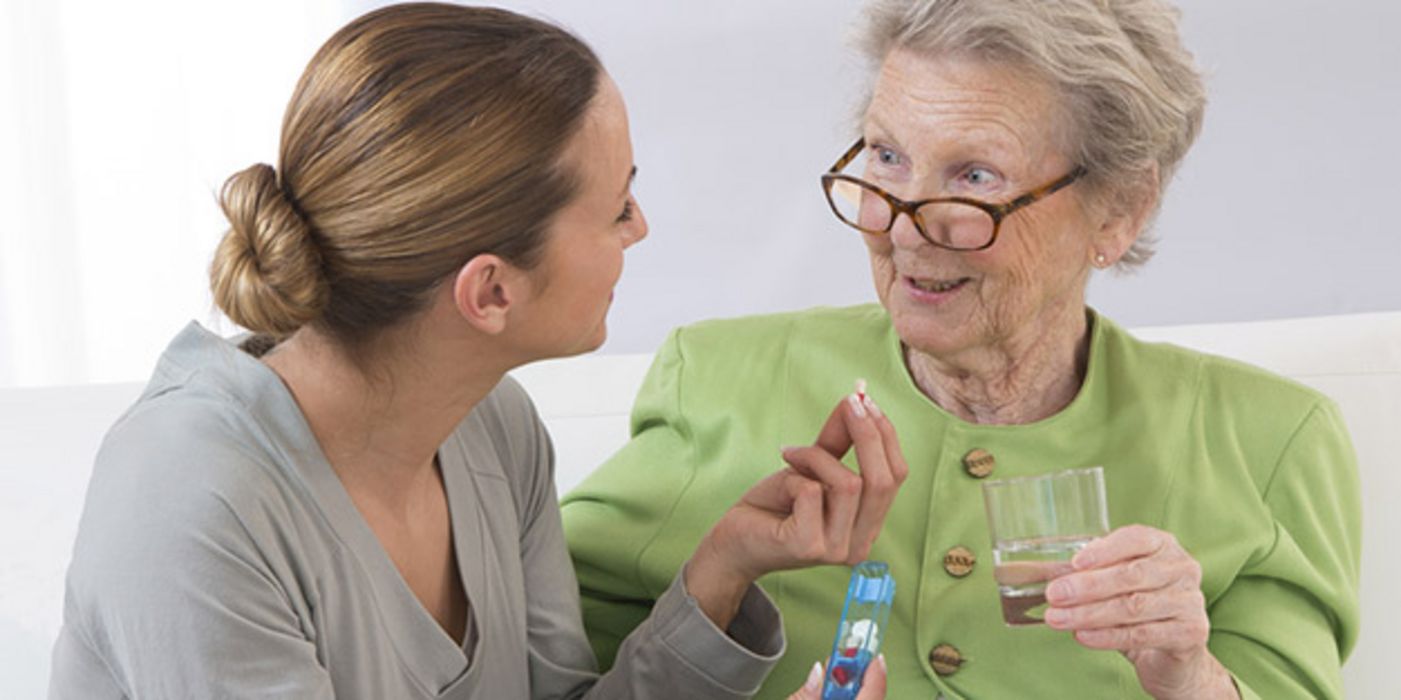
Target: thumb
{"points": [[873, 683], [812, 687]]}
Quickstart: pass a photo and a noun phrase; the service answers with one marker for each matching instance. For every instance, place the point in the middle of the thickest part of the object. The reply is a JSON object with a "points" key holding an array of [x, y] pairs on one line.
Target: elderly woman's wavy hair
{"points": [[1131, 92]]}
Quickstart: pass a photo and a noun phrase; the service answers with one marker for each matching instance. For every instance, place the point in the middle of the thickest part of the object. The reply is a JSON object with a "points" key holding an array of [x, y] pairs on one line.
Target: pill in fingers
{"points": [[865, 399]]}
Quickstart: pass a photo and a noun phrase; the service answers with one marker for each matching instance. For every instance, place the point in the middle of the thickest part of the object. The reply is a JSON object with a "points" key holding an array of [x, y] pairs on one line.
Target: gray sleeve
{"points": [[168, 595], [676, 653]]}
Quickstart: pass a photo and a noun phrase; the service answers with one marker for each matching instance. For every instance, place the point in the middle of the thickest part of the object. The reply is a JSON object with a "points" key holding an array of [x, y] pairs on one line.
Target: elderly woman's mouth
{"points": [[933, 289]]}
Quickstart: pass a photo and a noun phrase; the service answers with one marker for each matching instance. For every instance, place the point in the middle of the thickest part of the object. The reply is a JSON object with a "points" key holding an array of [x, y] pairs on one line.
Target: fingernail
{"points": [[1056, 616], [1059, 591], [872, 407], [814, 681], [1081, 560], [856, 405], [881, 659]]}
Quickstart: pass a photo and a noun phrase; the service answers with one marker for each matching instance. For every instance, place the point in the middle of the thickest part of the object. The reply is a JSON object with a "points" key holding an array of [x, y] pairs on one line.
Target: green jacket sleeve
{"points": [[1291, 617], [616, 512]]}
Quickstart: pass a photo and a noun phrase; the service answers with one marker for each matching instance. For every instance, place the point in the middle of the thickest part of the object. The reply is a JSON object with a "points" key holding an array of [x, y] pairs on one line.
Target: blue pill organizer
{"points": [[864, 615]]}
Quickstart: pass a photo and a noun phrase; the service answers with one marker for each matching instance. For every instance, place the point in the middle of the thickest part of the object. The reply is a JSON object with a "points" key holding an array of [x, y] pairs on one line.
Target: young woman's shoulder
{"points": [[186, 475]]}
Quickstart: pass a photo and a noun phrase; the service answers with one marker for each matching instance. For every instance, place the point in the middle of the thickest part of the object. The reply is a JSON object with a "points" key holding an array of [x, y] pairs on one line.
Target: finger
{"points": [[773, 492], [812, 687], [894, 455], [834, 437], [1134, 608], [1081, 587], [878, 484], [802, 531], [841, 492], [873, 681], [1129, 542], [878, 497], [1169, 566], [1169, 635]]}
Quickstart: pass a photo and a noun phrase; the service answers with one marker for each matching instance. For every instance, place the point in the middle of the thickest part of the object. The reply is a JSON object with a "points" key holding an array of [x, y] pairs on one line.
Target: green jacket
{"points": [[1254, 474]]}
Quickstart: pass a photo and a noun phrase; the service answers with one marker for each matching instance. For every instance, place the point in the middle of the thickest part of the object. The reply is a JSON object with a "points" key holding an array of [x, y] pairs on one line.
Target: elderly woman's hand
{"points": [[1138, 591], [814, 511]]}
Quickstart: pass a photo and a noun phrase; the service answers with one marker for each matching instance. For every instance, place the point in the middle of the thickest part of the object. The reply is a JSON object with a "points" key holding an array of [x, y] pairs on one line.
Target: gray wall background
{"points": [[1284, 208]]}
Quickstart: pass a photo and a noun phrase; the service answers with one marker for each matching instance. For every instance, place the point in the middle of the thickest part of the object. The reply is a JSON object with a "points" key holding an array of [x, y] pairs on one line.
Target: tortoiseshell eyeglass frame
{"points": [[898, 206]]}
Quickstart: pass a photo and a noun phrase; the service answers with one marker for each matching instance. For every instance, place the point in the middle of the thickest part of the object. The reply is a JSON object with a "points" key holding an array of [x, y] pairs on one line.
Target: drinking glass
{"points": [[1037, 524]]}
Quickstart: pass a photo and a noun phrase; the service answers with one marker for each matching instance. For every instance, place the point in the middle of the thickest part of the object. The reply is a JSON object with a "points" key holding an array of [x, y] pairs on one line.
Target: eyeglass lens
{"points": [[948, 223]]}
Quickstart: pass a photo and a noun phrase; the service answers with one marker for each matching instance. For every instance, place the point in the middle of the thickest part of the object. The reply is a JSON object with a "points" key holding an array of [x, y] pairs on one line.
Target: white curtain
{"points": [[118, 123]]}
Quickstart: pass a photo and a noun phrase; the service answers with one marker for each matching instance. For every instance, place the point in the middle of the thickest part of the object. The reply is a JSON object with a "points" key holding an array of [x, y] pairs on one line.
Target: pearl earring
{"points": [[1100, 260]]}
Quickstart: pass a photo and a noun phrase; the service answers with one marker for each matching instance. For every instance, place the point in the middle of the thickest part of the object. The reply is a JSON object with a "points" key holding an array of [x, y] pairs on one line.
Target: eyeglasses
{"points": [[955, 223]]}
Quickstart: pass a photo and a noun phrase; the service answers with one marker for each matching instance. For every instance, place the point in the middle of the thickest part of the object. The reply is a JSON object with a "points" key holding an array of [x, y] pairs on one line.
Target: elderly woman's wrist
{"points": [[1223, 684], [1211, 681], [1219, 683]]}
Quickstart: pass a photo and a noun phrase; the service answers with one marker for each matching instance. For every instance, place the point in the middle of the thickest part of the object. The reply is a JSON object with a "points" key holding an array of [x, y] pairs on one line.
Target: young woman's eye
{"points": [[626, 216]]}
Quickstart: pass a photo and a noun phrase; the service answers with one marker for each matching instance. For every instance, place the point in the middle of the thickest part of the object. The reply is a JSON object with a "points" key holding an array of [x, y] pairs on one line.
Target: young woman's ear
{"points": [[484, 291]]}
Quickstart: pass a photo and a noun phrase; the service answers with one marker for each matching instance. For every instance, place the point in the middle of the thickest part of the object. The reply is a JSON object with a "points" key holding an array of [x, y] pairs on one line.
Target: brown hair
{"points": [[1131, 90], [419, 136]]}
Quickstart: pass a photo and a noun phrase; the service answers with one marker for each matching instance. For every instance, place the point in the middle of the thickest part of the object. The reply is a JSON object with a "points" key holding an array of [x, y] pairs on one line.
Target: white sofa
{"points": [[48, 437]]}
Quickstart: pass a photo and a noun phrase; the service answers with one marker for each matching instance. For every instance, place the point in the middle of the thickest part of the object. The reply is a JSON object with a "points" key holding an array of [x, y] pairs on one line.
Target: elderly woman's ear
{"points": [[1126, 212]]}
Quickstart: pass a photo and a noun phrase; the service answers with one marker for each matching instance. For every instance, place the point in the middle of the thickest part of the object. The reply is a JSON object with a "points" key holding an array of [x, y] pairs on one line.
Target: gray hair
{"points": [[1131, 91]]}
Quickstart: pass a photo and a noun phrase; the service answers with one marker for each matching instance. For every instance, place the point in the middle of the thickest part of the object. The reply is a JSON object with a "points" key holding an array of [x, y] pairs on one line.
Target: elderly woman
{"points": [[1010, 149]]}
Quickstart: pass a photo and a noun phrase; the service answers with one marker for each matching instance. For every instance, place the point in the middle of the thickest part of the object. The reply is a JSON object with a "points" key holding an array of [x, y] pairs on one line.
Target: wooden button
{"points": [[945, 659], [959, 561], [979, 463]]}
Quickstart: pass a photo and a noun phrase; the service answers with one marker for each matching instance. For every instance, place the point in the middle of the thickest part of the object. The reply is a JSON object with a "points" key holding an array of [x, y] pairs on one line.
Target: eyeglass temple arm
{"points": [[849, 156], [1041, 192]]}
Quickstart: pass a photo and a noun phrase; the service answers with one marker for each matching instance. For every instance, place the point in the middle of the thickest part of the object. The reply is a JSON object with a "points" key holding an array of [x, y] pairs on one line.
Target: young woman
{"points": [[356, 502]]}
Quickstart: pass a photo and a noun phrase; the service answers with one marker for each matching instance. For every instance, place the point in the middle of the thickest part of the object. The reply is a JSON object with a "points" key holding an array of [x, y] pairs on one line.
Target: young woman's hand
{"points": [[872, 683], [814, 511]]}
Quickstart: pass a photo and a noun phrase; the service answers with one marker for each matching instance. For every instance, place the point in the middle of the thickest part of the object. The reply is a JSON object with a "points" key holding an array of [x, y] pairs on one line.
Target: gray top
{"points": [[219, 556]]}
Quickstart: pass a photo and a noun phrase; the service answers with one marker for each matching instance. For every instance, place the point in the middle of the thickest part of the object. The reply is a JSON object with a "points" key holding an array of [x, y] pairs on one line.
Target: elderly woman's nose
{"points": [[904, 233]]}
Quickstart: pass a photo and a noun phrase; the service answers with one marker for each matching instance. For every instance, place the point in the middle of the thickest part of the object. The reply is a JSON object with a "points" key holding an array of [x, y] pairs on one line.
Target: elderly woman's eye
{"points": [[980, 177], [887, 156]]}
